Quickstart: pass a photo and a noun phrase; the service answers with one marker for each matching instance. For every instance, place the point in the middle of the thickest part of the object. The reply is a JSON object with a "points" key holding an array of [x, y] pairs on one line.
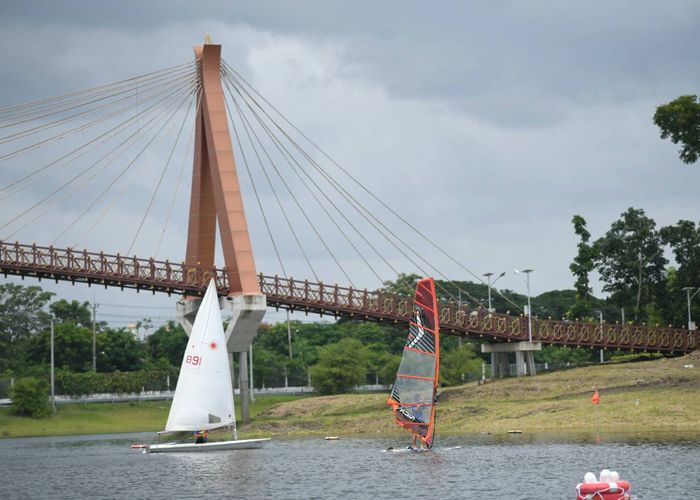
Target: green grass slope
{"points": [[659, 395]]}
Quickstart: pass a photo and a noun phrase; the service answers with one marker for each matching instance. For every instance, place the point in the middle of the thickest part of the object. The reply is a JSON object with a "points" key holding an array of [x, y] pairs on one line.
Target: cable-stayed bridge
{"points": [[73, 165]]}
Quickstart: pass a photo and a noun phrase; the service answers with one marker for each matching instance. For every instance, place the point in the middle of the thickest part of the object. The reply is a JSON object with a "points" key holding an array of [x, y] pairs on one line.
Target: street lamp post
{"points": [[94, 337], [600, 317], [527, 272], [53, 385], [488, 277], [687, 290], [289, 335]]}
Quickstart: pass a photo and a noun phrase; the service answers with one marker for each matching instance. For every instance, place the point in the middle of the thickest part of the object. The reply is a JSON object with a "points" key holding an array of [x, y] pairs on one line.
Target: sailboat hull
{"points": [[240, 444]]}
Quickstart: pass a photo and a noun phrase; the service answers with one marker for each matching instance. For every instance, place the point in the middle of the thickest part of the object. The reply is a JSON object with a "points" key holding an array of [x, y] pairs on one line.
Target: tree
{"points": [[269, 366], [21, 317], [581, 267], [684, 240], [168, 342], [341, 367], [75, 312], [405, 284], [631, 263], [457, 364], [380, 364], [72, 347], [119, 350], [680, 120]]}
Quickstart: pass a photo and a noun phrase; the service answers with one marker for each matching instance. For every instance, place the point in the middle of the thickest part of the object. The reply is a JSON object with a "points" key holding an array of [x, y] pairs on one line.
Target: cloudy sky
{"points": [[506, 117]]}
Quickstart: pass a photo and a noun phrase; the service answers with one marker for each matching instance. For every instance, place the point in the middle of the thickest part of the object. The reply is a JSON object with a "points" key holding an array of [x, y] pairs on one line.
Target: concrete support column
{"points": [[520, 364], [499, 365], [243, 385], [530, 362], [524, 357]]}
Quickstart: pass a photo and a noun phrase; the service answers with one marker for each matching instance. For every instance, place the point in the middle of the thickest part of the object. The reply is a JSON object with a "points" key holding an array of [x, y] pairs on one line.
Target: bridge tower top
{"points": [[216, 194]]}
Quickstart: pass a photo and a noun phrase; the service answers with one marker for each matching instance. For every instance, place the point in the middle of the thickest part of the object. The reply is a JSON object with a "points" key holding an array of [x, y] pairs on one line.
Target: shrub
{"points": [[341, 367], [30, 397], [77, 384]]}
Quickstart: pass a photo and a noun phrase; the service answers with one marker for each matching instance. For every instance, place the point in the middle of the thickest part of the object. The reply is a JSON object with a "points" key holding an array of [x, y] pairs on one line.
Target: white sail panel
{"points": [[204, 395]]}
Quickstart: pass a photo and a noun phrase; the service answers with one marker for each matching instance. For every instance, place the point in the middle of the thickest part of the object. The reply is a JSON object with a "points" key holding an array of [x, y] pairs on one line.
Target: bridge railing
{"points": [[179, 278], [106, 269], [477, 323]]}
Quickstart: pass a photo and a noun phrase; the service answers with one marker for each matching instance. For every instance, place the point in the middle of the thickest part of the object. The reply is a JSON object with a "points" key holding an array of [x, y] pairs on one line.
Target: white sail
{"points": [[204, 396]]}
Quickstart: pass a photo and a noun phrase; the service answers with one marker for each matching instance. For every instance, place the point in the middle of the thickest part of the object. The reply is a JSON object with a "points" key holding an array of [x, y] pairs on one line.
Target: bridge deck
{"points": [[172, 278]]}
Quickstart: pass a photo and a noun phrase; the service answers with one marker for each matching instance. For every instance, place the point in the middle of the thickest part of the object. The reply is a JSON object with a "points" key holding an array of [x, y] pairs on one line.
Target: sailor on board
{"points": [[200, 437]]}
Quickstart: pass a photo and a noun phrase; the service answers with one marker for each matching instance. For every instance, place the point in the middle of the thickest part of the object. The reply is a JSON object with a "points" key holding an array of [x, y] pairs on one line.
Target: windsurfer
{"points": [[417, 439]]}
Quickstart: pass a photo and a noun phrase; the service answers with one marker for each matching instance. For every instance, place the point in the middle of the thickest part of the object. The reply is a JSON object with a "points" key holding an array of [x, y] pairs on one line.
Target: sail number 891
{"points": [[193, 360]]}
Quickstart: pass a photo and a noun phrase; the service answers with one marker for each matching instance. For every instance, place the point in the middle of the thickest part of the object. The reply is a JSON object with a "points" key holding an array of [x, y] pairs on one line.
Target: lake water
{"points": [[521, 466]]}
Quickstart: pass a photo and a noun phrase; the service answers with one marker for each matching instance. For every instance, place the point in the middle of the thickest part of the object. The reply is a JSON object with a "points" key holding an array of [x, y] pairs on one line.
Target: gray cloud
{"points": [[511, 116]]}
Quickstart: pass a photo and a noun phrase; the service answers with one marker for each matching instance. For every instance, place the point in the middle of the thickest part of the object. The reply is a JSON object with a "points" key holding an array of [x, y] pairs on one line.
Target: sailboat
{"points": [[413, 396], [203, 398]]}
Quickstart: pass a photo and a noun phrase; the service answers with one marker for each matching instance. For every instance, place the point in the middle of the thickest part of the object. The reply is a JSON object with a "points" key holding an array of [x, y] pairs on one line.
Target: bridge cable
{"points": [[160, 180], [331, 182], [102, 138], [269, 158], [66, 184], [179, 178], [304, 213], [70, 132], [118, 196], [287, 156], [257, 196], [90, 99], [22, 107], [123, 147], [344, 193], [353, 178], [56, 123]]}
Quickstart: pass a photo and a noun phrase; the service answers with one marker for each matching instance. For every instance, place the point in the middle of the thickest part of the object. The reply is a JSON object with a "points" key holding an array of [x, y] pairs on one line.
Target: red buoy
{"points": [[619, 490]]}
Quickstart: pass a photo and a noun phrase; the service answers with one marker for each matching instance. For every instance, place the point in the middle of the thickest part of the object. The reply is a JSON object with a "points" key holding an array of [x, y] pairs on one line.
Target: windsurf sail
{"points": [[413, 394]]}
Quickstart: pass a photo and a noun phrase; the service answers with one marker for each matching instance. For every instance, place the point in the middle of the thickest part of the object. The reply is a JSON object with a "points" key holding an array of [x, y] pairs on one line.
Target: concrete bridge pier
{"points": [[524, 357], [247, 312]]}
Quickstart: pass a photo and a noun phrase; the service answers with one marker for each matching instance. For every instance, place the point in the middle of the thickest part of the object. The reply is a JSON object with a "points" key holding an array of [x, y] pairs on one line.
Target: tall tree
{"points": [[119, 350], [680, 120], [631, 263], [72, 347], [405, 284], [21, 317], [168, 342], [581, 267], [341, 367], [684, 240], [75, 312]]}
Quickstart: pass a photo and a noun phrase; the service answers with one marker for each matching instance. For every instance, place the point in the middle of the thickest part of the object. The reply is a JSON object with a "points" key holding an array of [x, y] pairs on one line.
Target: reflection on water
{"points": [[538, 465]]}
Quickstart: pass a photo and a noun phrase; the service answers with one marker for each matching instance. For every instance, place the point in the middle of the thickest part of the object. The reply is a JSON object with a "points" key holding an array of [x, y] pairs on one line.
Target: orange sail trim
{"points": [[413, 394]]}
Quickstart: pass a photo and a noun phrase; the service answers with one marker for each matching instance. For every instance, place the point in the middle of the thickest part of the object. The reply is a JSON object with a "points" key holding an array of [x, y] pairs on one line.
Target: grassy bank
{"points": [[101, 418], [659, 395]]}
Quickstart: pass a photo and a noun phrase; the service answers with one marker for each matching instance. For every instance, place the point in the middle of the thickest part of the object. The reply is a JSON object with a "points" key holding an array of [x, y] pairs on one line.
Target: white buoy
{"points": [[614, 476], [605, 476], [589, 478]]}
